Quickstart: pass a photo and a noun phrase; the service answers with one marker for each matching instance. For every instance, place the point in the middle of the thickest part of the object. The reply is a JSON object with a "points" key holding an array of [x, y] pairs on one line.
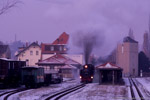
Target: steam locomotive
{"points": [[87, 73]]}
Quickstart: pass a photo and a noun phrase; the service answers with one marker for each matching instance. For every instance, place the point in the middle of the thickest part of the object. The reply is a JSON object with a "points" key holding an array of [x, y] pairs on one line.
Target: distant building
{"points": [[5, 51], [31, 54], [127, 57]]}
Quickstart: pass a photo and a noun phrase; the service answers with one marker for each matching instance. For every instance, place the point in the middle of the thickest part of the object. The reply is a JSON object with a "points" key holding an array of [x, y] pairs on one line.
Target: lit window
{"points": [[31, 52], [65, 49], [37, 52]]}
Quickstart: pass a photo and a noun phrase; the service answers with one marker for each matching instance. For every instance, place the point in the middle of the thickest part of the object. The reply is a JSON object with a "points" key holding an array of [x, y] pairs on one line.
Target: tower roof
{"points": [[130, 40]]}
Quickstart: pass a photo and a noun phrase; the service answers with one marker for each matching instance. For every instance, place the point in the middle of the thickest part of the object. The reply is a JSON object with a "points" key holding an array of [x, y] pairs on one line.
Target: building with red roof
{"points": [[109, 73], [59, 62], [62, 39], [59, 46]]}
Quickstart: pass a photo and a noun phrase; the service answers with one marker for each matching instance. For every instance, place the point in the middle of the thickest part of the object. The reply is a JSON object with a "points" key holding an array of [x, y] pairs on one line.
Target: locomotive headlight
{"points": [[80, 77], [86, 66], [91, 77]]}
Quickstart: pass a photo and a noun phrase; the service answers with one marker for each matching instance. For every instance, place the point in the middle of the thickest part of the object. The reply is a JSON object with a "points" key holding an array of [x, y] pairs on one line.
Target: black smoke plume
{"points": [[88, 41]]}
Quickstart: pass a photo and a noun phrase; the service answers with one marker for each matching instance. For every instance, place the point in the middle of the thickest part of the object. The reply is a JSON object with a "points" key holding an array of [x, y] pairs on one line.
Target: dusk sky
{"points": [[45, 20]]}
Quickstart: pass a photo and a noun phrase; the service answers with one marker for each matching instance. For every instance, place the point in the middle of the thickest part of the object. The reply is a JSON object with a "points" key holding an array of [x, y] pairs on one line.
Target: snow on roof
{"points": [[68, 67], [108, 65], [58, 59], [50, 60], [8, 59]]}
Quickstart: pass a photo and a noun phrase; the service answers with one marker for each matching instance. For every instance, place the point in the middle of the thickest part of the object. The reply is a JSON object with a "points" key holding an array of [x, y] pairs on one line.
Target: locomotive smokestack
{"points": [[88, 41]]}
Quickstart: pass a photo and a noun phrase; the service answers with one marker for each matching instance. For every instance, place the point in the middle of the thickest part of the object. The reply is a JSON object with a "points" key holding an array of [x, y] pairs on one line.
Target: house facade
{"points": [[31, 54]]}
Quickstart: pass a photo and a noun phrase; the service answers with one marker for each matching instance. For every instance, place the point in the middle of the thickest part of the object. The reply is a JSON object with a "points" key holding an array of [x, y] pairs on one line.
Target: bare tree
{"points": [[5, 5]]}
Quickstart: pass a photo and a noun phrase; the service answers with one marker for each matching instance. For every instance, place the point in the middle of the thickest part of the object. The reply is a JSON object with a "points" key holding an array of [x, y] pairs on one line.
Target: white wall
{"points": [[32, 58]]}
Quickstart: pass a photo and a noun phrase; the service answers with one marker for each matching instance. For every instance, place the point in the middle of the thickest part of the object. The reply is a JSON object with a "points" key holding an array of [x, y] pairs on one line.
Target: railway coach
{"points": [[32, 76], [10, 74]]}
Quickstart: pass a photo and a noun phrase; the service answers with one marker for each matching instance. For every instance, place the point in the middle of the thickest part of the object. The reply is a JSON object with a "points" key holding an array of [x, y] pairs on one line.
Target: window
{"points": [[31, 52], [60, 48], [37, 52], [52, 48]]}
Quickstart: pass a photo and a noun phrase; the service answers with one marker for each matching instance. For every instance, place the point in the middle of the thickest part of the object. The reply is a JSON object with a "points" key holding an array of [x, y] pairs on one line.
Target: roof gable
{"points": [[50, 60], [63, 39], [58, 59], [33, 44], [108, 65]]}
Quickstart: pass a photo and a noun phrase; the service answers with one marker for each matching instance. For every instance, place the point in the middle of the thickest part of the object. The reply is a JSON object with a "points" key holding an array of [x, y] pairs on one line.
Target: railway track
{"points": [[135, 92], [59, 95], [7, 94]]}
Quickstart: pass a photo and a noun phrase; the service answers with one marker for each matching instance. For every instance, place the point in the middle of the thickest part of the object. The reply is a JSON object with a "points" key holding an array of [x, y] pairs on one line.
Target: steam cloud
{"points": [[88, 41]]}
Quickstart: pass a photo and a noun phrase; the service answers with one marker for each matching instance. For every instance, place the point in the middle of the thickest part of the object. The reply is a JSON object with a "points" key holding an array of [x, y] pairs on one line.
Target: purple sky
{"points": [[45, 20]]}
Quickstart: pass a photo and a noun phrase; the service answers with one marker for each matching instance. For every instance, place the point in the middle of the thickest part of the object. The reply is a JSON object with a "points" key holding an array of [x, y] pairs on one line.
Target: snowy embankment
{"points": [[40, 93], [144, 86], [94, 91]]}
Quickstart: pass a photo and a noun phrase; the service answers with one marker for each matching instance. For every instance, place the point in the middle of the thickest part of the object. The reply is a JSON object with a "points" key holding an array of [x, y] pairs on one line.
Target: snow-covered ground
{"points": [[144, 86], [41, 93], [94, 91]]}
